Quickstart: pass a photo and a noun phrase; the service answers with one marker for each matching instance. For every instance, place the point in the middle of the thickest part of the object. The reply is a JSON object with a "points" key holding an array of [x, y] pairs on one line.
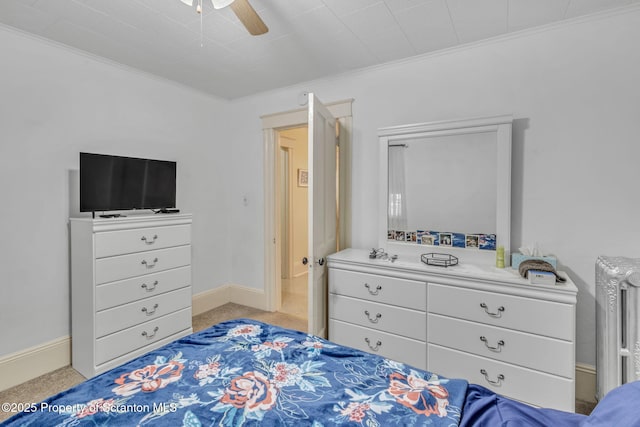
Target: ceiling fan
{"points": [[243, 10]]}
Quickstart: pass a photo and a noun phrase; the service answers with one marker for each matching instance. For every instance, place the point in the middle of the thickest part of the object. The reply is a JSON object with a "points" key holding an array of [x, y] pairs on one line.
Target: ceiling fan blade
{"points": [[219, 4], [187, 2], [249, 17]]}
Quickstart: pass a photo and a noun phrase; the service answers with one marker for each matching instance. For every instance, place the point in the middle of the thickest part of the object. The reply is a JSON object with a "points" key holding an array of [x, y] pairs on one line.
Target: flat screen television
{"points": [[112, 183]]}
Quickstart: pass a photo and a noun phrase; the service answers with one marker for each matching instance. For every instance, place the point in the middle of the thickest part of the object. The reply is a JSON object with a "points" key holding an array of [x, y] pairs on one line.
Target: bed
{"points": [[247, 373]]}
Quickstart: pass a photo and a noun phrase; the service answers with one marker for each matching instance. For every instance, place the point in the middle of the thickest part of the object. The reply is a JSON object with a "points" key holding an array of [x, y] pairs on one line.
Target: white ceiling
{"points": [[307, 39]]}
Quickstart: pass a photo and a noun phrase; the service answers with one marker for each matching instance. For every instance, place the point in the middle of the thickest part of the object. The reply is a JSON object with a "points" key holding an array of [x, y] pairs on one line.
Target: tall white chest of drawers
{"points": [[130, 287], [484, 324]]}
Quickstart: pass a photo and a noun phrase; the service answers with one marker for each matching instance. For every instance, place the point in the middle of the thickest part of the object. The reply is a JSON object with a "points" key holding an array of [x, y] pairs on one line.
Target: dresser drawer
{"points": [[127, 315], [547, 318], [387, 318], [124, 291], [390, 346], [383, 289], [533, 351], [122, 242], [125, 266], [125, 341], [529, 386]]}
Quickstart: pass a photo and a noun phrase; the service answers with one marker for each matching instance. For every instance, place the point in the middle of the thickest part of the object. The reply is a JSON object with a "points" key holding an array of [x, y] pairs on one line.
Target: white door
{"points": [[322, 210]]}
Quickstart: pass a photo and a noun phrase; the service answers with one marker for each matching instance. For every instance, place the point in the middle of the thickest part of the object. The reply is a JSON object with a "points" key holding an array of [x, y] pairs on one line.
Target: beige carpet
{"points": [[42, 387]]}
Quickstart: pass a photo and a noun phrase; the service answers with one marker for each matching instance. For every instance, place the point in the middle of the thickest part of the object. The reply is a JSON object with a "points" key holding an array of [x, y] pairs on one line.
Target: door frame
{"points": [[271, 124]]}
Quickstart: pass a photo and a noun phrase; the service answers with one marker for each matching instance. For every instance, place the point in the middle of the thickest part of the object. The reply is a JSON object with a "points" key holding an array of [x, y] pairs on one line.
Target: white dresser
{"points": [[130, 287], [378, 313], [484, 324]]}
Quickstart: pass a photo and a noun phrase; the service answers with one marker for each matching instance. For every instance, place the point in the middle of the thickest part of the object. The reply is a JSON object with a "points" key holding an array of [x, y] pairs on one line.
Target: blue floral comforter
{"points": [[247, 373]]}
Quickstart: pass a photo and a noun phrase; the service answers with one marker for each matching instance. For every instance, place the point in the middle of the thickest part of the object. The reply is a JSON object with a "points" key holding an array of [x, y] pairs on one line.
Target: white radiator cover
{"points": [[617, 322]]}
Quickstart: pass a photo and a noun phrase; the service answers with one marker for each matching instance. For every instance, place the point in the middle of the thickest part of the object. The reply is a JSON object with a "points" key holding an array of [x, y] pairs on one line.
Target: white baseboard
{"points": [[586, 382], [250, 297], [28, 364], [208, 300], [243, 295]]}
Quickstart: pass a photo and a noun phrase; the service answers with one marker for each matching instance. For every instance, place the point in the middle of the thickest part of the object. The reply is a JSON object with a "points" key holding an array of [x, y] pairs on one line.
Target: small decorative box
{"points": [[539, 277], [517, 258]]}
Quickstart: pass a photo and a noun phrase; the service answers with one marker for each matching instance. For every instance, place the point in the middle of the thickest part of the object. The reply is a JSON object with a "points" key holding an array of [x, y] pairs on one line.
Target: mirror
{"points": [[445, 188]]}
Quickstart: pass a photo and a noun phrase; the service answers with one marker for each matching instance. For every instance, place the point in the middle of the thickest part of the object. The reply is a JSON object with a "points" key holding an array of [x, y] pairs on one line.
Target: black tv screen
{"points": [[109, 183]]}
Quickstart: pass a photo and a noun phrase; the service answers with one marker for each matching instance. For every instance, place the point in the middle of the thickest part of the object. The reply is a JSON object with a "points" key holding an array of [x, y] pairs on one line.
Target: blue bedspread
{"points": [[248, 373]]}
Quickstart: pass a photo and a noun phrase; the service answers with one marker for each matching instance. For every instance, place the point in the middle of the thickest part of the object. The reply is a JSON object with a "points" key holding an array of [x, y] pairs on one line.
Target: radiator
{"points": [[617, 322]]}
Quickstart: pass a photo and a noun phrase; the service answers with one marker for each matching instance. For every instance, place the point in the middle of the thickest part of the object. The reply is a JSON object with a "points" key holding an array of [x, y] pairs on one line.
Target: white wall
{"points": [[575, 96], [54, 103]]}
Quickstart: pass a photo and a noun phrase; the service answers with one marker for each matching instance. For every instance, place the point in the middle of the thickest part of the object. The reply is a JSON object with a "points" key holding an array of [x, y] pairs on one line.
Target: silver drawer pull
{"points": [[149, 242], [378, 289], [145, 334], [149, 313], [497, 348], [378, 344], [486, 377], [498, 314], [147, 288], [145, 263], [378, 316]]}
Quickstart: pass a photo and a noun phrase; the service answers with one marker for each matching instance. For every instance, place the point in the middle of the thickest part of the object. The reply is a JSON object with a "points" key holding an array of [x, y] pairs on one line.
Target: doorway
{"points": [[292, 202], [272, 125]]}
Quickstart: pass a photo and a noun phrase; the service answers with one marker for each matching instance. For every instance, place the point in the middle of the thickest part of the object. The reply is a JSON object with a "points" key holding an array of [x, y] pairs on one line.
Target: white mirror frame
{"points": [[501, 126]]}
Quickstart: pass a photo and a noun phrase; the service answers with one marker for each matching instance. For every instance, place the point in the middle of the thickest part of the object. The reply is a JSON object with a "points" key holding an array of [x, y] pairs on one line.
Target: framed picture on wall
{"points": [[303, 178], [445, 239], [471, 241]]}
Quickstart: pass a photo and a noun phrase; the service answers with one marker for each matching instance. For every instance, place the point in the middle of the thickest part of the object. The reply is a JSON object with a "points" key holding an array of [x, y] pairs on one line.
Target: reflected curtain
{"points": [[397, 191]]}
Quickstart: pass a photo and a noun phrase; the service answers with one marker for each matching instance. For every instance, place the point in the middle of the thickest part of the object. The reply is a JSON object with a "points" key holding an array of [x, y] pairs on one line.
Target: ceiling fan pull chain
{"points": [[200, 12], [242, 9]]}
